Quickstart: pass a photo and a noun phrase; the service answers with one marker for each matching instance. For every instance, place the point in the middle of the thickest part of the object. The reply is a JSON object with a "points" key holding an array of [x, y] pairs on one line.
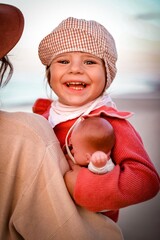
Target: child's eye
{"points": [[89, 62], [63, 61]]}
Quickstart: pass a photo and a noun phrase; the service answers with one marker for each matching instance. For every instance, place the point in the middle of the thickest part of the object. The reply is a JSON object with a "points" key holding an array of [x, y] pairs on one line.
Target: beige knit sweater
{"points": [[34, 201]]}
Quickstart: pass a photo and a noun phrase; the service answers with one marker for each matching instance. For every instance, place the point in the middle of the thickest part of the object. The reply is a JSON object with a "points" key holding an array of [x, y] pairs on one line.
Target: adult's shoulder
{"points": [[27, 124]]}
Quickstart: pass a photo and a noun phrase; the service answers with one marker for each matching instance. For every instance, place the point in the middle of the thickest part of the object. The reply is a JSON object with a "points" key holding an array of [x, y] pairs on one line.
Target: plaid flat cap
{"points": [[80, 35]]}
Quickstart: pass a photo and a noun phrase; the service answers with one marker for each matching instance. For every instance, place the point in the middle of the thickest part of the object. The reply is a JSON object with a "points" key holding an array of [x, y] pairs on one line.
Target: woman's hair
{"points": [[6, 67]]}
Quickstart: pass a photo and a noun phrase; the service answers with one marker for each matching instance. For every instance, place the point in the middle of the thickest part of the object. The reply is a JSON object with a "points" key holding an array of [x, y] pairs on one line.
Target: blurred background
{"points": [[135, 26]]}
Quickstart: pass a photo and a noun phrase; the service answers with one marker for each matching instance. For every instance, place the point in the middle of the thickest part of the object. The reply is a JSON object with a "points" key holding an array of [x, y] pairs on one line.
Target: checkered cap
{"points": [[80, 35]]}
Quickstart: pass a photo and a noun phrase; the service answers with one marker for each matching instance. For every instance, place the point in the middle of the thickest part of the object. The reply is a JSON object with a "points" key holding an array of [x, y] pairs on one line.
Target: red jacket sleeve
{"points": [[42, 106], [133, 180]]}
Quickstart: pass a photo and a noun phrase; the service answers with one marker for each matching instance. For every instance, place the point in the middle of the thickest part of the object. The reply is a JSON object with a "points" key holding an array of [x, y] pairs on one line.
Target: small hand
{"points": [[99, 159]]}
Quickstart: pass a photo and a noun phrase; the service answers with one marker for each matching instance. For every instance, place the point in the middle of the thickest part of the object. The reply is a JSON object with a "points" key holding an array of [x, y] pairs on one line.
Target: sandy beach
{"points": [[141, 221]]}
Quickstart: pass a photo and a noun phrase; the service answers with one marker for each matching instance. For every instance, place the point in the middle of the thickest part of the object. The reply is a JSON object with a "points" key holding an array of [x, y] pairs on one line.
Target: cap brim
{"points": [[11, 27]]}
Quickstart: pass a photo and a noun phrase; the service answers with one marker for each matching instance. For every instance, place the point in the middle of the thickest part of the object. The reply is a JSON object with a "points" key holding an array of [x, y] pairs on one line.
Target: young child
{"points": [[91, 142], [80, 58]]}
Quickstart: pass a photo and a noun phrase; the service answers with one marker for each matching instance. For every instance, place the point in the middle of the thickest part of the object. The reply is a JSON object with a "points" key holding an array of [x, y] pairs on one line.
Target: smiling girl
{"points": [[74, 77], [80, 58]]}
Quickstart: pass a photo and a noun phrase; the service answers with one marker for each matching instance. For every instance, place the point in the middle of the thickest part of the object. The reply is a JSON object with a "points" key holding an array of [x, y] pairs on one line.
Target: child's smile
{"points": [[76, 85], [77, 78]]}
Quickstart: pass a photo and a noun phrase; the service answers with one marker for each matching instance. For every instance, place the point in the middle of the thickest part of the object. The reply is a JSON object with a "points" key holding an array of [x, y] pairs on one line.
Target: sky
{"points": [[134, 24]]}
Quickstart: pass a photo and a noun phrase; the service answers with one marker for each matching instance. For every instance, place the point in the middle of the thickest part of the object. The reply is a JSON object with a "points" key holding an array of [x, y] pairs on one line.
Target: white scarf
{"points": [[61, 113]]}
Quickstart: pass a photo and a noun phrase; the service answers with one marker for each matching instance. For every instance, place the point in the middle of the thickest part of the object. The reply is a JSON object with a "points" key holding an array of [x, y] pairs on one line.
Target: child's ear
{"points": [[88, 156]]}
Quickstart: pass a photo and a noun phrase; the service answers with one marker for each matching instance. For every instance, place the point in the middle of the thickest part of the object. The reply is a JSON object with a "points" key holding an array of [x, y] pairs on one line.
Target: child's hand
{"points": [[99, 159], [70, 177]]}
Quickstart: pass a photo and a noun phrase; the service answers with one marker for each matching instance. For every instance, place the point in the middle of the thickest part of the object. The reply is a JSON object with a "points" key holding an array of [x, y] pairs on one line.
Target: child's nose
{"points": [[76, 67]]}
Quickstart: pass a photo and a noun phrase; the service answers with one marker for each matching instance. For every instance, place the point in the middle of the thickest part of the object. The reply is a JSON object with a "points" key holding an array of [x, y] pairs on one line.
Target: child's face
{"points": [[77, 77]]}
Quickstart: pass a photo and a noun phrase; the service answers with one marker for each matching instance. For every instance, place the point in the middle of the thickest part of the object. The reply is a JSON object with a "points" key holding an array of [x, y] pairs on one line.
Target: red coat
{"points": [[134, 178]]}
